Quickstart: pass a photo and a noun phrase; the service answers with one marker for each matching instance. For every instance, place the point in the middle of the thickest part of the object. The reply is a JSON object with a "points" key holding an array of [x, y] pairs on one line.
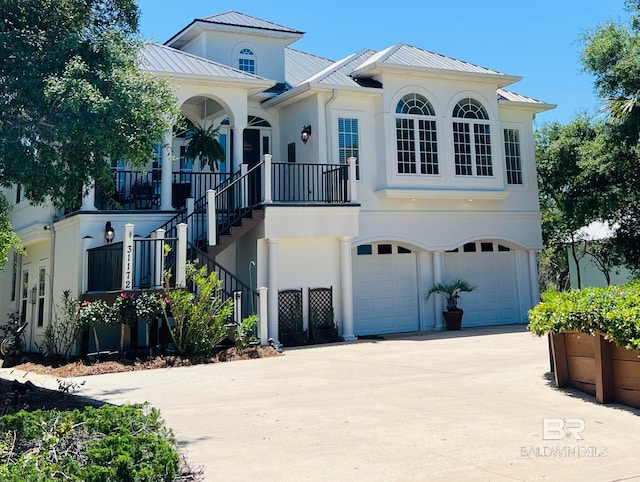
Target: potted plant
{"points": [[451, 291]]}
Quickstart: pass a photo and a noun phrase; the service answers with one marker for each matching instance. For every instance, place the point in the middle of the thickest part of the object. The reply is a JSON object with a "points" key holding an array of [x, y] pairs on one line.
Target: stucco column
{"points": [[437, 278], [165, 176], [533, 278], [346, 282], [263, 315], [89, 199], [272, 297], [238, 148]]}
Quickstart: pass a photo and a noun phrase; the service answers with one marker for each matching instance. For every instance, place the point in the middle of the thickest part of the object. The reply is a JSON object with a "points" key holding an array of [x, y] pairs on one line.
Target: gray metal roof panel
{"points": [[339, 73], [514, 97], [160, 58], [300, 65], [407, 55], [242, 20]]}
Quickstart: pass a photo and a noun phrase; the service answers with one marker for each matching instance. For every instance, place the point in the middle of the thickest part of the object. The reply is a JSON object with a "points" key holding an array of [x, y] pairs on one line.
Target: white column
{"points": [[238, 151], [533, 278], [181, 256], [437, 278], [346, 282], [86, 242], [353, 185], [272, 307], [263, 316], [89, 199], [159, 257], [212, 224], [165, 176], [266, 177], [128, 257]]}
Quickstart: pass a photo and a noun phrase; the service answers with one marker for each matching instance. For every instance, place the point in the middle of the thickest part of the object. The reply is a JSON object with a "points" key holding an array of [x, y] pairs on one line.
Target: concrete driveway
{"points": [[447, 406]]}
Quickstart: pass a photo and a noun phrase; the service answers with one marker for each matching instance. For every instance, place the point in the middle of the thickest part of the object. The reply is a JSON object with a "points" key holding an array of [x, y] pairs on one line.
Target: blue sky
{"points": [[538, 40]]}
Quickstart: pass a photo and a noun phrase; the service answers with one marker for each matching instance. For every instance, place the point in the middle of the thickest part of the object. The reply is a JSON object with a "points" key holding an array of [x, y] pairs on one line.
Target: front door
{"points": [[251, 157]]}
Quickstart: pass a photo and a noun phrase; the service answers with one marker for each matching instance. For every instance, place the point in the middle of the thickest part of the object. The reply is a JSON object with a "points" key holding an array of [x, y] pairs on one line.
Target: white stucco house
{"points": [[373, 176]]}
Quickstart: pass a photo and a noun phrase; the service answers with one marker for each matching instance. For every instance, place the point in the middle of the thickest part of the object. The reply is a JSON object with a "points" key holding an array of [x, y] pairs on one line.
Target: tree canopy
{"points": [[72, 95]]}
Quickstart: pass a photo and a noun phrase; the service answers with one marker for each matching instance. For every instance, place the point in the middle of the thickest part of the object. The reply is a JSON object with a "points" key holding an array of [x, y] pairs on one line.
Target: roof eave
{"points": [[209, 25], [531, 106], [255, 85], [307, 88], [501, 80]]}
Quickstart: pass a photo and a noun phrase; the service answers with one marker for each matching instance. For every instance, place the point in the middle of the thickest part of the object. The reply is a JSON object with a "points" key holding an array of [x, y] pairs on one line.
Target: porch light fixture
{"points": [[109, 232], [305, 134]]}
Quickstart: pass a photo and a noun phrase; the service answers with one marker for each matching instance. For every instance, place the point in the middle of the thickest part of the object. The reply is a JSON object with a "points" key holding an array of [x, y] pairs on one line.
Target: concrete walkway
{"points": [[446, 406]]}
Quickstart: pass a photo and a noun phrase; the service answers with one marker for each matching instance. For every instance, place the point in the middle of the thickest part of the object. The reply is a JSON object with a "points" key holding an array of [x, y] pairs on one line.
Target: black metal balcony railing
{"points": [[151, 262], [310, 183], [195, 184]]}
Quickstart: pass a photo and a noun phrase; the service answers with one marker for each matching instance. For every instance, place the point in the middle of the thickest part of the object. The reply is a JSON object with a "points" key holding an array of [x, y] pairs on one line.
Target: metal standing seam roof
{"points": [[300, 65], [339, 73], [160, 58], [514, 97], [242, 20], [407, 55]]}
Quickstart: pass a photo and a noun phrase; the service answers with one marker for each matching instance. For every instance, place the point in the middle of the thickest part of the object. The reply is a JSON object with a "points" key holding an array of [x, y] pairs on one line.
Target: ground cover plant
{"points": [[109, 443]]}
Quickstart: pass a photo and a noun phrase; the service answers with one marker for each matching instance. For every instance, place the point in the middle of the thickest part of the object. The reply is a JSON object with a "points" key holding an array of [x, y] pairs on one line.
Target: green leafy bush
{"points": [[128, 443], [613, 311], [199, 316]]}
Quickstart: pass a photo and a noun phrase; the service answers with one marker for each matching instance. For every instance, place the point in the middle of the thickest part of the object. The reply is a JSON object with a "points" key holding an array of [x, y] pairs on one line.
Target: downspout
{"points": [[53, 264], [327, 118]]}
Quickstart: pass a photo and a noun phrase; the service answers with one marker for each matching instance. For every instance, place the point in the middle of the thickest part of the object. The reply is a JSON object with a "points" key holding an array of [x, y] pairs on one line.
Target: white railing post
{"points": [[267, 187], [263, 316], [128, 257], [352, 179], [159, 234], [190, 206], [86, 241], [244, 186], [181, 256], [212, 218]]}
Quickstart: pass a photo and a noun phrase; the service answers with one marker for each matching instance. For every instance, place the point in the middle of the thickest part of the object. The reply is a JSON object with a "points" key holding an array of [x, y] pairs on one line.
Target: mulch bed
{"points": [[63, 399]]}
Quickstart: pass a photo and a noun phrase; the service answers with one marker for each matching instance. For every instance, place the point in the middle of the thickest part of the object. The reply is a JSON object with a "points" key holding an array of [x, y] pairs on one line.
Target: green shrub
{"points": [[613, 311], [110, 443], [199, 316]]}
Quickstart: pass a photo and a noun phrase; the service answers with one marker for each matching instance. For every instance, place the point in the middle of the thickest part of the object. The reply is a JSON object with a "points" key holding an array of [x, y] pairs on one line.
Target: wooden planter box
{"points": [[597, 367]]}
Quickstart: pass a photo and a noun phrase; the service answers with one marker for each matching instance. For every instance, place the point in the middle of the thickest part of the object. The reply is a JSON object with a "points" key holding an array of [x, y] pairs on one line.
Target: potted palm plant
{"points": [[451, 291], [203, 142]]}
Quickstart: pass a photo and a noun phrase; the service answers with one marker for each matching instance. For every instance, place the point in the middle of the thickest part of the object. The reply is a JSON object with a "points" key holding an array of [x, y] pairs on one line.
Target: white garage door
{"points": [[385, 289], [493, 268]]}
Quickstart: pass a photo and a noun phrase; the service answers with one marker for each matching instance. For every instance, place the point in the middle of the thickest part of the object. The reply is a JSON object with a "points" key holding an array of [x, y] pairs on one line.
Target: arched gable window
{"points": [[247, 61], [472, 139], [416, 137]]}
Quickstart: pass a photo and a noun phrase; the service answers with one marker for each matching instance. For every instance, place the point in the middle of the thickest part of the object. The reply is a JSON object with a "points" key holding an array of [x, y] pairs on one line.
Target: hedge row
{"points": [[613, 311], [110, 443]]}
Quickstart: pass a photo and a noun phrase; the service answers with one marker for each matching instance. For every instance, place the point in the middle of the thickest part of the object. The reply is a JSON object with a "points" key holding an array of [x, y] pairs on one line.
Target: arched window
{"points": [[416, 137], [472, 150], [247, 61]]}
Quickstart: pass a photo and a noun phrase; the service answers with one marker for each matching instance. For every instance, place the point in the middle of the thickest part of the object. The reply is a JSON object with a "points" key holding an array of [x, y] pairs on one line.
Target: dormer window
{"points": [[416, 137], [472, 152], [247, 61]]}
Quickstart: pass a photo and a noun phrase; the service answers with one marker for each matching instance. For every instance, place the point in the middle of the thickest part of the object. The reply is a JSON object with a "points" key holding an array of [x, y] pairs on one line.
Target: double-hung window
{"points": [[512, 156], [416, 136], [349, 142], [472, 139]]}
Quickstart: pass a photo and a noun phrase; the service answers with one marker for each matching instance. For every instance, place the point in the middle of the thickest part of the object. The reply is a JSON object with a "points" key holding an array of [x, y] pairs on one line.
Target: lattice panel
{"points": [[290, 311], [321, 307]]}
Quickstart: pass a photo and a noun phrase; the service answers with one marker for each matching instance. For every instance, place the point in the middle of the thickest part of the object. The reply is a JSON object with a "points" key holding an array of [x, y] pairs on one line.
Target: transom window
{"points": [[247, 61], [512, 156], [416, 136], [472, 139]]}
